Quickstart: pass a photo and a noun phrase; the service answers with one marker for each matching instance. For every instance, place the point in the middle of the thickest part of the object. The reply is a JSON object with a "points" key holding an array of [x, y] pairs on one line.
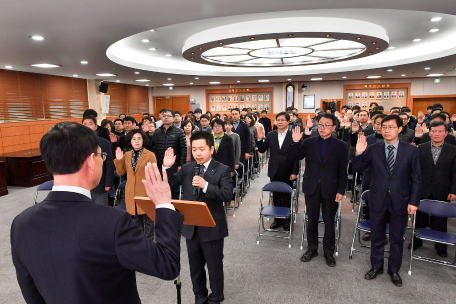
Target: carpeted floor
{"points": [[269, 272]]}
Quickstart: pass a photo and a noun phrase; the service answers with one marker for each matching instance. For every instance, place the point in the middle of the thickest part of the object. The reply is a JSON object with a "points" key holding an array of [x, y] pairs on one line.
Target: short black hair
{"points": [[205, 116], [122, 114], [146, 114], [118, 119], [328, 116], [66, 146], [244, 109], [373, 113], [379, 108], [439, 115], [374, 103], [90, 112], [91, 118], [162, 110], [252, 121], [209, 113], [364, 110], [403, 113], [264, 111], [147, 118], [435, 109], [438, 105], [406, 110], [219, 122], [129, 118], [287, 116], [217, 115], [203, 135], [168, 110], [356, 107], [438, 123], [186, 122], [395, 108], [198, 110], [393, 117], [446, 113], [351, 109], [344, 106], [235, 109], [177, 112], [190, 112], [381, 115], [136, 131]]}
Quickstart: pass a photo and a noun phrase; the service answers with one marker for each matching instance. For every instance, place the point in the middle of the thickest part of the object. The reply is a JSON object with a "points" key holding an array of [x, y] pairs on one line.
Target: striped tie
{"points": [[390, 160]]}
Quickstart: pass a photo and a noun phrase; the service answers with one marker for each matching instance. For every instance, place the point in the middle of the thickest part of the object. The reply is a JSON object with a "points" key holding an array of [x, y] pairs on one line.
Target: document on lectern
{"points": [[195, 213]]}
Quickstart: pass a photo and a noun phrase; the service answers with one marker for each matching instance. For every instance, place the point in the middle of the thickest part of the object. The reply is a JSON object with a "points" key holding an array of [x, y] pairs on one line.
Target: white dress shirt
{"points": [[281, 137]]}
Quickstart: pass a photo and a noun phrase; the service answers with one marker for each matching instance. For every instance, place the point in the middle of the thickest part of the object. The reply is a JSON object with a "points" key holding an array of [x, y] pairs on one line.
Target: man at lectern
{"points": [[67, 249], [208, 181]]}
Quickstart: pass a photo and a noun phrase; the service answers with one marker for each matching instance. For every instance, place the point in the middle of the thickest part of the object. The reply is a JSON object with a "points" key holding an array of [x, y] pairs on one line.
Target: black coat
{"points": [[172, 137], [103, 132], [225, 152], [266, 122], [332, 170], [244, 133], [219, 190], [123, 144], [67, 249], [107, 179], [438, 180], [279, 161], [450, 139]]}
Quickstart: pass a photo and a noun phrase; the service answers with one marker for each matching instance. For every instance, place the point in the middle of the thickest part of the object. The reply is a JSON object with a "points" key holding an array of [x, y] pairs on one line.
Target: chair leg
{"points": [[259, 224], [303, 231]]}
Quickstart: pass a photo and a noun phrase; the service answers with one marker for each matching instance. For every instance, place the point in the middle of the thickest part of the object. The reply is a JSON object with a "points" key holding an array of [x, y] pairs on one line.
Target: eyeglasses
{"points": [[137, 139], [281, 120], [437, 132], [102, 154], [164, 115], [324, 126], [388, 127]]}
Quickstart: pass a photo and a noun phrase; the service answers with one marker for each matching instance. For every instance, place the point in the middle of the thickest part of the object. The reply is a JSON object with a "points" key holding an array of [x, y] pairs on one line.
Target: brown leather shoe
{"points": [[372, 274]]}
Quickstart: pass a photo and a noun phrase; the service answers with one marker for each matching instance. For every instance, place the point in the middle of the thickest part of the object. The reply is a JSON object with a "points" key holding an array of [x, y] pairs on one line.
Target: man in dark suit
{"points": [[67, 249], [438, 171], [223, 145], [213, 186], [265, 121], [422, 137], [324, 182], [395, 191], [242, 129], [129, 124], [281, 167], [101, 131], [100, 192]]}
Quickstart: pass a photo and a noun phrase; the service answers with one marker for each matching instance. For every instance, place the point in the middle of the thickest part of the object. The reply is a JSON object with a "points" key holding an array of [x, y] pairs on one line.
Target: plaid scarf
{"points": [[217, 142], [135, 157]]}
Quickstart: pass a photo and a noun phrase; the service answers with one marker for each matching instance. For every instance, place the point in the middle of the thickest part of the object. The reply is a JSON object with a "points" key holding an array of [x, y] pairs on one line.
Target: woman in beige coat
{"points": [[133, 163]]}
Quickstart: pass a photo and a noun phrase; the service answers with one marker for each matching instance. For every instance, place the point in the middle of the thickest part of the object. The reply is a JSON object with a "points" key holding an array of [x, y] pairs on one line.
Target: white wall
{"points": [[426, 86]]}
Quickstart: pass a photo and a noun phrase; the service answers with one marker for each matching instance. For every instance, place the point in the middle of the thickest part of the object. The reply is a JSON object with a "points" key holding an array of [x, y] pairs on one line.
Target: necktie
{"points": [[390, 160], [202, 169]]}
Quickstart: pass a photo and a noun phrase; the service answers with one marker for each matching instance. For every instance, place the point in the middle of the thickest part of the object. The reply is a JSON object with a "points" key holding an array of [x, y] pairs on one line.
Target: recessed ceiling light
{"points": [[193, 53], [220, 43], [377, 48], [370, 53], [263, 80], [428, 68], [434, 30], [142, 80], [75, 75], [358, 38], [403, 75], [169, 79], [168, 84], [290, 35], [374, 76], [435, 19], [416, 39], [196, 77], [84, 62], [145, 40], [192, 58], [168, 55], [344, 77], [252, 38], [38, 38], [152, 49], [191, 82], [46, 65], [390, 70], [391, 48], [289, 79], [200, 48], [147, 85], [136, 73], [240, 81], [435, 75], [106, 74], [214, 82], [374, 42], [8, 67], [316, 79], [152, 30], [327, 35], [117, 80]]}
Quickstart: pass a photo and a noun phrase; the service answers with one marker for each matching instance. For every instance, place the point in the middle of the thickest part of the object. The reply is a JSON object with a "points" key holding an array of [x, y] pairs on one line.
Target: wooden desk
{"points": [[3, 179], [26, 168]]}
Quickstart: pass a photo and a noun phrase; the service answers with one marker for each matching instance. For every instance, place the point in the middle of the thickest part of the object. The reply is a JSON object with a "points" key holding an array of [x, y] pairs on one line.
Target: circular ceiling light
{"points": [[435, 19], [282, 52], [238, 81], [403, 75], [136, 73], [427, 68], [46, 65], [390, 70], [37, 38], [142, 80], [196, 77], [344, 77], [117, 80], [106, 74], [315, 79], [169, 79], [152, 49], [191, 82], [168, 55]]}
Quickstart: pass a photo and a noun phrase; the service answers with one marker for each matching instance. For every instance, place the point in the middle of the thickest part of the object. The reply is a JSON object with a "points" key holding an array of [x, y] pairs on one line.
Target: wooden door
{"points": [[421, 104], [182, 104], [176, 103]]}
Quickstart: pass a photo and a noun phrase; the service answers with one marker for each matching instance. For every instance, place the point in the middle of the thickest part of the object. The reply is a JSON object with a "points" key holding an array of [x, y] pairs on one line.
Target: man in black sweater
{"points": [[101, 132]]}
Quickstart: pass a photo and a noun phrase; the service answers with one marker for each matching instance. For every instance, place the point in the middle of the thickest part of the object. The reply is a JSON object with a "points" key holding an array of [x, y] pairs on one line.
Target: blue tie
{"points": [[390, 160], [202, 169]]}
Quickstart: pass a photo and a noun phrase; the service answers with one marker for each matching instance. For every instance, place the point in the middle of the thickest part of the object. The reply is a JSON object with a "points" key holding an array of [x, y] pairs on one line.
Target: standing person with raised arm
{"points": [[395, 192], [324, 181]]}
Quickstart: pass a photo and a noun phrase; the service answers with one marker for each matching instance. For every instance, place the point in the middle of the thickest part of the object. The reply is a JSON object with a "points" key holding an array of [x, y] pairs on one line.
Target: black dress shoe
{"points": [[330, 260], [372, 274], [309, 255], [276, 224], [416, 244], [286, 227], [442, 254], [395, 278], [367, 236]]}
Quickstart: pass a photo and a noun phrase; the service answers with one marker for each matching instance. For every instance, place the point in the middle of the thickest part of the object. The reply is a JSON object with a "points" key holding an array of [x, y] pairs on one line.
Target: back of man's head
{"points": [[66, 146], [90, 112]]}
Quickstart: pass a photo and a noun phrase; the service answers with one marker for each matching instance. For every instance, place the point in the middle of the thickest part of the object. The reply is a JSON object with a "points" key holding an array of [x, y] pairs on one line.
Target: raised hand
{"points": [[157, 190], [337, 114], [307, 131], [453, 118], [419, 131], [425, 128], [297, 134], [112, 137], [309, 123], [260, 133], [169, 159], [119, 154], [420, 117], [361, 146], [355, 127]]}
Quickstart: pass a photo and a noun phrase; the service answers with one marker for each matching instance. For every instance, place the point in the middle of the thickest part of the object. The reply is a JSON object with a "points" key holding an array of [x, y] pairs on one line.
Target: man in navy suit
{"points": [[242, 129], [67, 249], [208, 181], [281, 167], [324, 182], [395, 192]]}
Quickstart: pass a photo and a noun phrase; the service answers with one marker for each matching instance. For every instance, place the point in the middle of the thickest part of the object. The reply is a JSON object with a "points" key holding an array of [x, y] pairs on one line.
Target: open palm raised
{"points": [[170, 158], [361, 145]]}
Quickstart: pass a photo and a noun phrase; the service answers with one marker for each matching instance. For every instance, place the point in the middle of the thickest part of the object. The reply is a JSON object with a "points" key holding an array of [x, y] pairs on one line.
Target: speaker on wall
{"points": [[103, 87]]}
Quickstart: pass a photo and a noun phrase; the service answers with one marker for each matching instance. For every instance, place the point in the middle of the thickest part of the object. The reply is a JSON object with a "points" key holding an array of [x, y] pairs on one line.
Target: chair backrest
{"points": [[365, 197], [122, 185], [115, 174], [46, 186], [277, 187], [437, 208]]}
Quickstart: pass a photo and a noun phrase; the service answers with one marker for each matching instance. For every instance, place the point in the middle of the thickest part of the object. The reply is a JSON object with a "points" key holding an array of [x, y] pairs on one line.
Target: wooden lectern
{"points": [[195, 213]]}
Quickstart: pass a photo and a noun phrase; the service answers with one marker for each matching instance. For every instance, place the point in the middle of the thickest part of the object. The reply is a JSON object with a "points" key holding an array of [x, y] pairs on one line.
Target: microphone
{"points": [[196, 172]]}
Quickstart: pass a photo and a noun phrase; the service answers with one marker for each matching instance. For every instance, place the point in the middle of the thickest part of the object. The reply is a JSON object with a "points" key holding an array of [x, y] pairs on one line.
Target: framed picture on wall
{"points": [[223, 98], [242, 98], [386, 95], [266, 107], [350, 95], [230, 98], [247, 106], [364, 95], [309, 102], [364, 104], [219, 107], [266, 97], [371, 95], [224, 108], [254, 98], [357, 95], [236, 98], [212, 99], [254, 107], [260, 107], [379, 103], [393, 94], [260, 97], [212, 108], [230, 107], [247, 97], [401, 94], [350, 104], [356, 103], [379, 95], [218, 98]]}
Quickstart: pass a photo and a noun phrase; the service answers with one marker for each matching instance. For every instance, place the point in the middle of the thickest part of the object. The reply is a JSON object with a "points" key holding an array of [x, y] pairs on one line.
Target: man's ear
{"points": [[90, 162], [212, 149]]}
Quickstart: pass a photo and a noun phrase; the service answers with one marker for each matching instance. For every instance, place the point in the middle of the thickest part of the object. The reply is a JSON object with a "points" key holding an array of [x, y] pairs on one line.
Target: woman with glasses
{"points": [[133, 163]]}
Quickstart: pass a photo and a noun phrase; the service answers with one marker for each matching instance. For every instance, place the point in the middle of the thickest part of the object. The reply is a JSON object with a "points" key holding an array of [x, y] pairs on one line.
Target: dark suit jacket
{"points": [[332, 170], [439, 180], [225, 152], [219, 190], [103, 132], [67, 249], [266, 122], [107, 179], [367, 178], [244, 133], [279, 160], [450, 139], [404, 183]]}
